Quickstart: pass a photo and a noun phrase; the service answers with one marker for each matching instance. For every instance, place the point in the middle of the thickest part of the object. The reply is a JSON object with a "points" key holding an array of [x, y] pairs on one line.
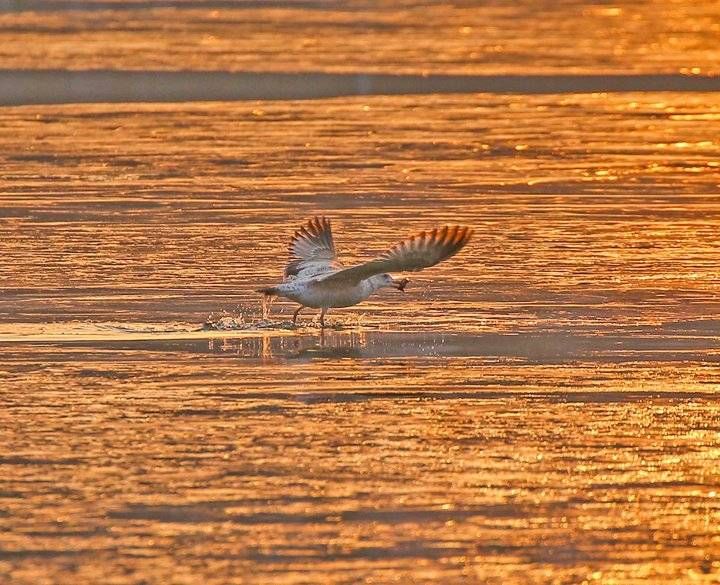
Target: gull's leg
{"points": [[296, 313], [322, 317]]}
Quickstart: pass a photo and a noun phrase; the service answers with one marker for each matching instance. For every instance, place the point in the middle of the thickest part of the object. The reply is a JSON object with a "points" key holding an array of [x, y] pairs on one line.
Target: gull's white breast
{"points": [[318, 293]]}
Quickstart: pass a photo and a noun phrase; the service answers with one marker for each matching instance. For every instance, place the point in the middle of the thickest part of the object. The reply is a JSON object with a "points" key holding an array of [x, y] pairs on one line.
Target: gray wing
{"points": [[312, 250], [415, 253]]}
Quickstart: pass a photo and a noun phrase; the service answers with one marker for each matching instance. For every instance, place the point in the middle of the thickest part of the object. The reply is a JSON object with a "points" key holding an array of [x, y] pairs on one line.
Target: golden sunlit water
{"points": [[399, 36], [542, 408]]}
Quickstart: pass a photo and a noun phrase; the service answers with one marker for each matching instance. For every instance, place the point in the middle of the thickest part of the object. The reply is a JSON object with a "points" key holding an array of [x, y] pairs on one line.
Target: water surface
{"points": [[541, 408], [399, 36]]}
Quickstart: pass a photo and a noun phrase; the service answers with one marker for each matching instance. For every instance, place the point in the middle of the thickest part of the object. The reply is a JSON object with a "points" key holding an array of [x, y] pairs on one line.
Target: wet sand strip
{"points": [[21, 87]]}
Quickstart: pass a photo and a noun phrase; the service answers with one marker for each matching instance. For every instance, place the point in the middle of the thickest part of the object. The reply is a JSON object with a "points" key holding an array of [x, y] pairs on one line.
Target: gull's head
{"points": [[386, 280]]}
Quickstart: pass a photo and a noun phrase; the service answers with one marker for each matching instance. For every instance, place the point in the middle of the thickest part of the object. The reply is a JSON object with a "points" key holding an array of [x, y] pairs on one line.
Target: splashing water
{"points": [[267, 302]]}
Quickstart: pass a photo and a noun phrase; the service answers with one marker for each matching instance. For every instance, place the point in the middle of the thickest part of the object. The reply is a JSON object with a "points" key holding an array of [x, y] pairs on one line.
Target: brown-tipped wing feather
{"points": [[415, 253], [312, 250]]}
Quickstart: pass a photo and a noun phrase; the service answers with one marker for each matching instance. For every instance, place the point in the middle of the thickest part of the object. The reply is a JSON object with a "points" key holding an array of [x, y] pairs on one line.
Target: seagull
{"points": [[315, 278]]}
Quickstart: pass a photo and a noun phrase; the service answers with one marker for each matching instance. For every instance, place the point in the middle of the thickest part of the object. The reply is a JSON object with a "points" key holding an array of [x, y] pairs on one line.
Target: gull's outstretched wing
{"points": [[312, 250], [415, 253]]}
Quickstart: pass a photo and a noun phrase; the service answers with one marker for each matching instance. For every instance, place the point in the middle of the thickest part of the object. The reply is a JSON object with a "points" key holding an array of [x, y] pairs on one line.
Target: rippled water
{"points": [[541, 408], [399, 36]]}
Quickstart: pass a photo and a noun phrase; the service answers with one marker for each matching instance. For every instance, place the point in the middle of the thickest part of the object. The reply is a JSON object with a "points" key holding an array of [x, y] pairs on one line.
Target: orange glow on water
{"points": [[541, 408], [393, 37]]}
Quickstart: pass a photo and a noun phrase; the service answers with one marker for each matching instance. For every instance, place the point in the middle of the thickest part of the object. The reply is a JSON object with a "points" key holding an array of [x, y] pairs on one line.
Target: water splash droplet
{"points": [[267, 302]]}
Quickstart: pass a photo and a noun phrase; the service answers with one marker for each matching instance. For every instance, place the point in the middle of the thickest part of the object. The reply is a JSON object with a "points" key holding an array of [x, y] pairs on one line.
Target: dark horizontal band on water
{"points": [[98, 5], [19, 87]]}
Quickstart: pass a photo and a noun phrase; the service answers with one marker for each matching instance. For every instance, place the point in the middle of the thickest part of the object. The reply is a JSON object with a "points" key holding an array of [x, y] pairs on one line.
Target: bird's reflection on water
{"points": [[538, 348], [323, 344]]}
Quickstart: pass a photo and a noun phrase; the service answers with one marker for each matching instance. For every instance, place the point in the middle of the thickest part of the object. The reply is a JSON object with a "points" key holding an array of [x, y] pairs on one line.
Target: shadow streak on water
{"points": [[20, 87], [212, 512], [302, 346], [543, 348], [83, 5]]}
